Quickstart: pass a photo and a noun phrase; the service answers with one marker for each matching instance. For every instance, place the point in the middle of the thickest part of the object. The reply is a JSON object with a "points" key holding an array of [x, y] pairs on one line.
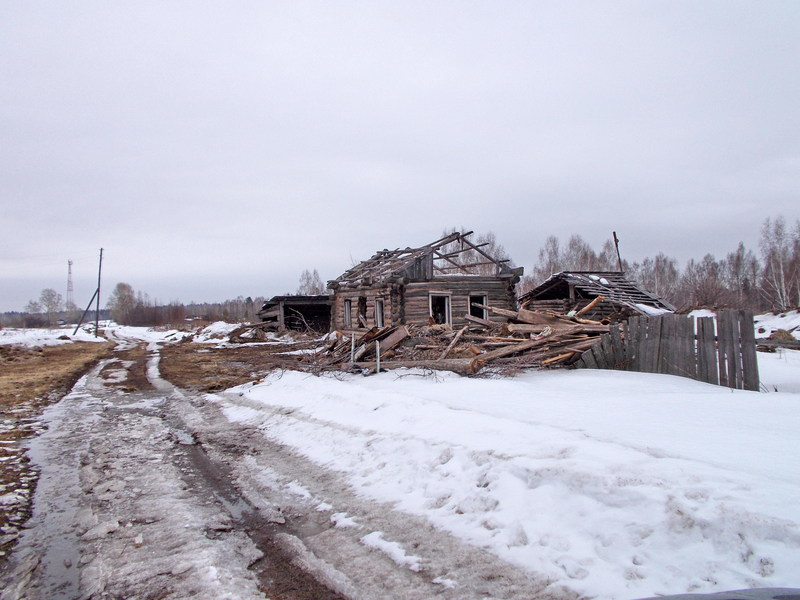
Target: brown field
{"points": [[206, 368]]}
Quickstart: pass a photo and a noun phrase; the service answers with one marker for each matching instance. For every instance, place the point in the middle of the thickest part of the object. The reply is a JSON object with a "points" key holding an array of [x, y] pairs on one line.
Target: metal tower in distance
{"points": [[70, 291]]}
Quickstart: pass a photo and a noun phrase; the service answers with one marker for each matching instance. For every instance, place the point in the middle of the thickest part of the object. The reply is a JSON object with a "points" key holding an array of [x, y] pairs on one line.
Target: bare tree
{"points": [[310, 284], [122, 303], [780, 281], [660, 275], [702, 283], [51, 302], [33, 307], [741, 272]]}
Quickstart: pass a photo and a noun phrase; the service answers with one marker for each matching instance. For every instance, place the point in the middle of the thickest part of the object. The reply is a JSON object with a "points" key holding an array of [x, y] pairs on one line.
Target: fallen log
{"points": [[527, 328], [462, 366], [452, 344], [590, 306], [480, 361], [482, 322]]}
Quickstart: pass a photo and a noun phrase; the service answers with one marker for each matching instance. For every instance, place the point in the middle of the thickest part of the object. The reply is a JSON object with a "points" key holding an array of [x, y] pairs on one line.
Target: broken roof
{"points": [[613, 285], [453, 254]]}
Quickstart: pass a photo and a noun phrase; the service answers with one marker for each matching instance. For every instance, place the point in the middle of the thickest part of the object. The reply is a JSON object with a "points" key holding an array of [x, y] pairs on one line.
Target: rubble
{"points": [[529, 339]]}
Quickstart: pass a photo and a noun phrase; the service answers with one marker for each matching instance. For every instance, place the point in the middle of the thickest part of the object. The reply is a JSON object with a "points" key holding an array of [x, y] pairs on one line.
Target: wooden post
{"points": [[726, 378], [377, 356], [352, 348], [97, 306], [281, 317], [749, 359], [706, 351]]}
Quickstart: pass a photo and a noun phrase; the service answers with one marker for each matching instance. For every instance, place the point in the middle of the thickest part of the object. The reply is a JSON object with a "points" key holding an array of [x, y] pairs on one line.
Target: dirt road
{"points": [[147, 491]]}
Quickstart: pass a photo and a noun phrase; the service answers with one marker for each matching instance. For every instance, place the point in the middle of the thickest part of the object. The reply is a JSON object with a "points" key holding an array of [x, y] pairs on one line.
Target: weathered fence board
{"points": [[677, 345]]}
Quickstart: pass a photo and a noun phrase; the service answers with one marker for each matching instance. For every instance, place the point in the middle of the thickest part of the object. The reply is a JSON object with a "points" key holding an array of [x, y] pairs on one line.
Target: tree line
{"points": [[767, 280]]}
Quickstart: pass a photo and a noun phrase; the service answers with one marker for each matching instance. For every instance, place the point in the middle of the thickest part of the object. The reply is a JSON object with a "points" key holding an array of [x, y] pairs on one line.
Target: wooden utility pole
{"points": [[616, 245], [97, 306]]}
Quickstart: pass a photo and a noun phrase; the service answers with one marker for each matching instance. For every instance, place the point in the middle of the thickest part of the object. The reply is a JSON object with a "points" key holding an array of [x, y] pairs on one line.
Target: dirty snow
{"points": [[612, 484], [46, 337], [769, 323], [215, 332], [607, 484]]}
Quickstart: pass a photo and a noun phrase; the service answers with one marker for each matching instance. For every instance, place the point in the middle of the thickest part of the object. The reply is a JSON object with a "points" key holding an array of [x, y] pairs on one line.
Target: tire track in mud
{"points": [[331, 521], [150, 492], [125, 507]]}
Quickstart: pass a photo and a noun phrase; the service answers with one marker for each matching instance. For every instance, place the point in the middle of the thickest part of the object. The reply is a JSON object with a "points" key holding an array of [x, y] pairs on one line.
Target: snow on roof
{"points": [[614, 286]]}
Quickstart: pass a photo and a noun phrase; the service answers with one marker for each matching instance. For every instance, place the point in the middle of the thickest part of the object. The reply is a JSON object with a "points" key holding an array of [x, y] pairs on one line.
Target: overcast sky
{"points": [[218, 149]]}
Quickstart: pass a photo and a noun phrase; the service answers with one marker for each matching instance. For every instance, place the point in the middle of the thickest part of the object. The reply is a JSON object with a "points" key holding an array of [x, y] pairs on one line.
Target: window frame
{"points": [[448, 306]]}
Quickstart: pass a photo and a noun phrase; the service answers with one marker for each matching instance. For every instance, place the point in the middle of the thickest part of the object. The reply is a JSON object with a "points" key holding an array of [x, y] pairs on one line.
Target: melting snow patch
{"points": [[391, 549], [448, 584], [342, 520], [298, 490]]}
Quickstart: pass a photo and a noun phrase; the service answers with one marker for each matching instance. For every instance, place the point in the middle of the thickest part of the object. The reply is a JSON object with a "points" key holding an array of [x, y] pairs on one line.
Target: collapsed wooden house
{"points": [[445, 282], [575, 290]]}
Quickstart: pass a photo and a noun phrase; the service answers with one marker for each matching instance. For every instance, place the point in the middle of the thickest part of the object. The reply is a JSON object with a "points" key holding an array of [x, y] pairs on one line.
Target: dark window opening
{"points": [[476, 311], [348, 314], [378, 313], [440, 309], [362, 311]]}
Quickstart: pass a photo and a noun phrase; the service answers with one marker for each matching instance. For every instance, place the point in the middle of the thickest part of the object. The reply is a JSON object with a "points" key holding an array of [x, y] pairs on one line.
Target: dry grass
{"points": [[35, 375], [209, 369]]}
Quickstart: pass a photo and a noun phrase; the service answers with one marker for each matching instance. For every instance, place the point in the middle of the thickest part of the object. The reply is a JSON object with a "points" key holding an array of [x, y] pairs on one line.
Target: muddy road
{"points": [[147, 491]]}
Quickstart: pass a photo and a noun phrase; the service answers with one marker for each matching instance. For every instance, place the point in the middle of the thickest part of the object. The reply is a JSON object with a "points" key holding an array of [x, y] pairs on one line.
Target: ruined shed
{"points": [[574, 290], [298, 313], [438, 283]]}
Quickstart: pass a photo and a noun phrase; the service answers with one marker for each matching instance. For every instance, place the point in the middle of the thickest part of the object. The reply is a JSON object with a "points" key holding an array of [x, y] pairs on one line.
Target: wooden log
{"points": [[557, 358], [482, 322], [511, 314], [492, 338], [528, 328], [590, 306], [462, 366], [481, 360], [452, 344]]}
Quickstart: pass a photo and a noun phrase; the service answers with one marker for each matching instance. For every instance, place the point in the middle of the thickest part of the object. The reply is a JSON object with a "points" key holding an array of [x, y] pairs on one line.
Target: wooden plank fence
{"points": [[678, 345]]}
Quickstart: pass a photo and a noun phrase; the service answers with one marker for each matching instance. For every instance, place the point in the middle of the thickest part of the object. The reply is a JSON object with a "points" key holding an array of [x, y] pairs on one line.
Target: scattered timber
{"points": [[520, 339]]}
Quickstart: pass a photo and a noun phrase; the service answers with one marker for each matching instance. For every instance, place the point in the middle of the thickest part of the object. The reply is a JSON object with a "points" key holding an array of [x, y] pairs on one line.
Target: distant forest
{"points": [[762, 280], [765, 280]]}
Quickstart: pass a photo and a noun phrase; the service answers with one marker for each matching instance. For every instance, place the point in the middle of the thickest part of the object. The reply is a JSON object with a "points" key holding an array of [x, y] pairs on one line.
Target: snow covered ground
{"points": [[609, 484], [47, 337], [769, 323], [615, 485]]}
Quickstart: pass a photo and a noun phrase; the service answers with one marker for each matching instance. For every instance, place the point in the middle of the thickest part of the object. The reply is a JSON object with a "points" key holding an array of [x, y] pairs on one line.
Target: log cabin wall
{"points": [[371, 295], [410, 303], [499, 294]]}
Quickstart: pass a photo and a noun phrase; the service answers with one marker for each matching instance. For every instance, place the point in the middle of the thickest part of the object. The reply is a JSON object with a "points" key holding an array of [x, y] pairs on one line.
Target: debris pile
{"points": [[529, 339]]}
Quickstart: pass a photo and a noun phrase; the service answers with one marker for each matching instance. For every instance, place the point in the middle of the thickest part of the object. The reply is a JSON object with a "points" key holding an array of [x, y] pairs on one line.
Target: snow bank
{"points": [[216, 332], [617, 485], [769, 323], [46, 337]]}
